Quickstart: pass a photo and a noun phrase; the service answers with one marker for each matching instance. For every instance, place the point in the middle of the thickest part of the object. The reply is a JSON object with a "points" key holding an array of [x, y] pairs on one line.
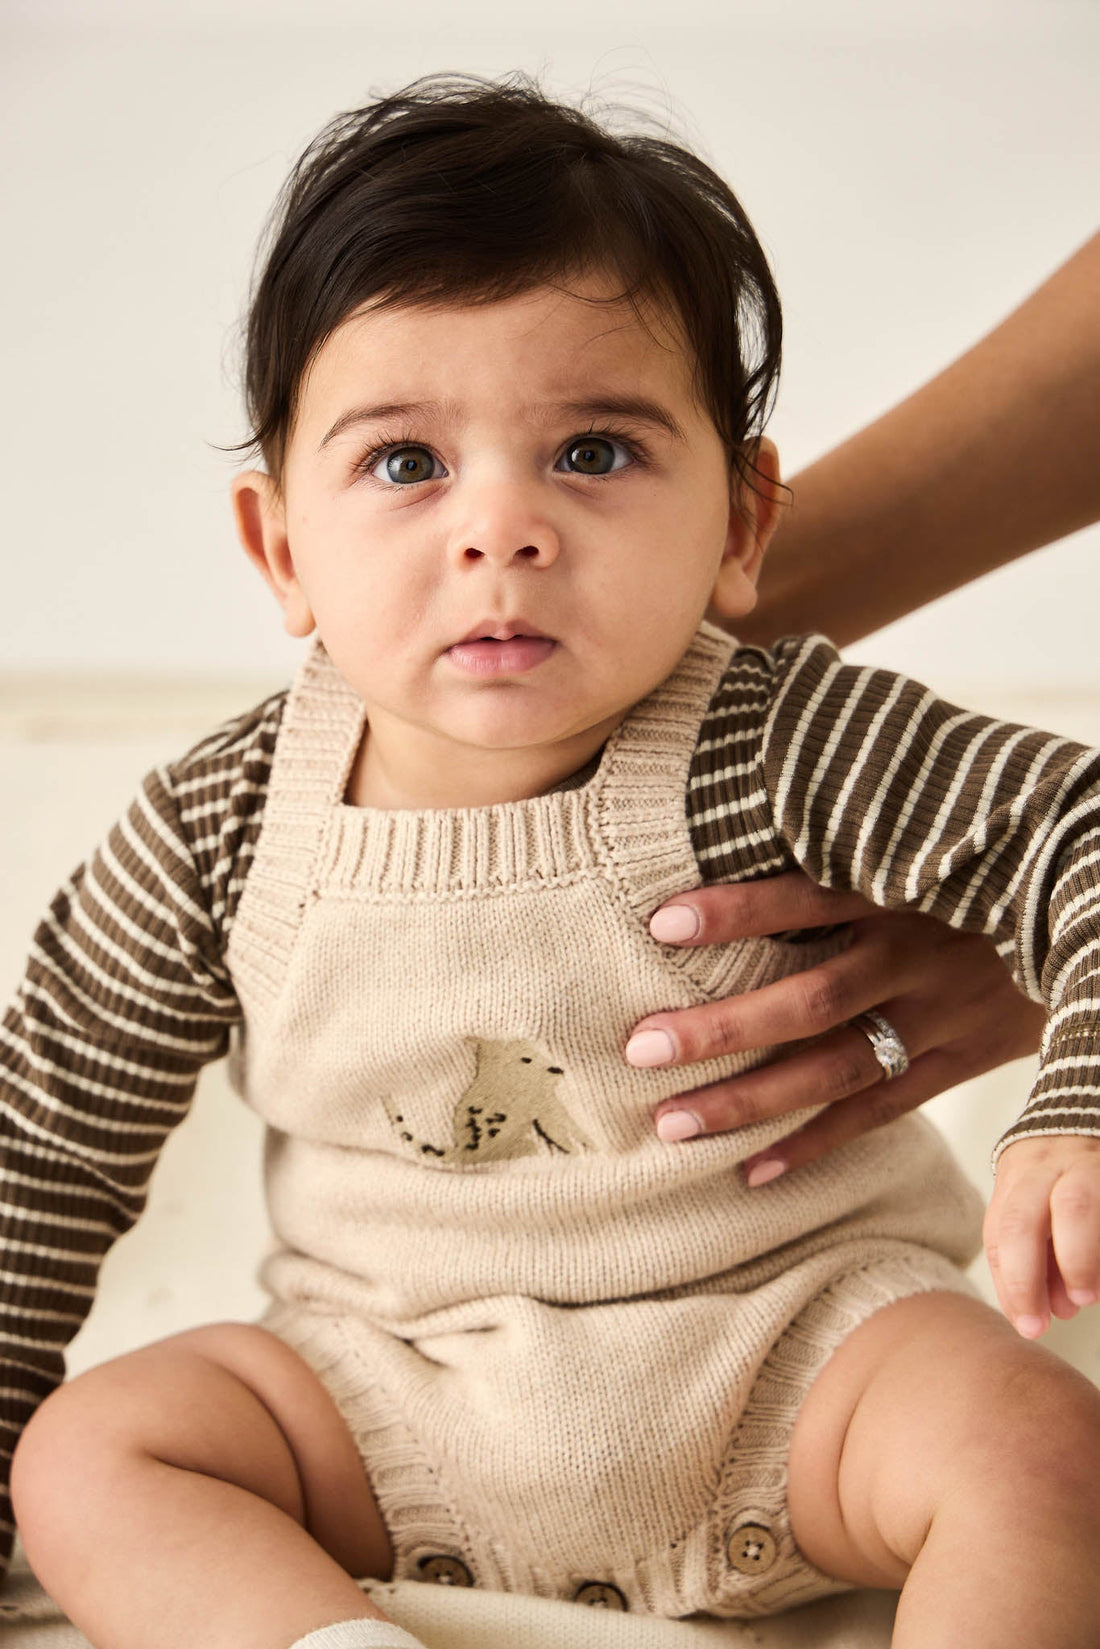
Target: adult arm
{"points": [[996, 456]]}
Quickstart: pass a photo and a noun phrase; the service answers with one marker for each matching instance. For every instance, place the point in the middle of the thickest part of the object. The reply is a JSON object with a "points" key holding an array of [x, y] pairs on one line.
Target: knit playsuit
{"points": [[571, 1355]]}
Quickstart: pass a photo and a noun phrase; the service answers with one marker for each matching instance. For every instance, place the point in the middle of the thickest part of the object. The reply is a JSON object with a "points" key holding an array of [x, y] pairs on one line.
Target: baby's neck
{"points": [[373, 785]]}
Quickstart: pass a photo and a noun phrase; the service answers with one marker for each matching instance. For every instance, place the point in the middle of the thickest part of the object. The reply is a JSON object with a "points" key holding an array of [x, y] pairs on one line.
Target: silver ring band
{"points": [[886, 1044]]}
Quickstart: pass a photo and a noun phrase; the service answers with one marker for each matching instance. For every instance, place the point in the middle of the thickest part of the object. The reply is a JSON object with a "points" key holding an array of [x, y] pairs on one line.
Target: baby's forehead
{"points": [[557, 316], [550, 346]]}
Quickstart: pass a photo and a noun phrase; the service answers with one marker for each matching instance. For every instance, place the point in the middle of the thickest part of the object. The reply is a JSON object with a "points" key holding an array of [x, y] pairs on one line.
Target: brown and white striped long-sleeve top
{"points": [[863, 778]]}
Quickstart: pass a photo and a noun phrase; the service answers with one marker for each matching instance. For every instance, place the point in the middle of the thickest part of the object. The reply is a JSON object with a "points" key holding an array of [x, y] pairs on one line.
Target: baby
{"points": [[508, 373]]}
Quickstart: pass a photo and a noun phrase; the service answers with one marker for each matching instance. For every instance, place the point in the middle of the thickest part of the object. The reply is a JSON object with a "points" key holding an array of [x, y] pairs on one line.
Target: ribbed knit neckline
{"points": [[629, 817]]}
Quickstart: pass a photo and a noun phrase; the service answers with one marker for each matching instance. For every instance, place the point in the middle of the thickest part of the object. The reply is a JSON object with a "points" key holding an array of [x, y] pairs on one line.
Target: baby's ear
{"points": [[754, 516], [260, 515]]}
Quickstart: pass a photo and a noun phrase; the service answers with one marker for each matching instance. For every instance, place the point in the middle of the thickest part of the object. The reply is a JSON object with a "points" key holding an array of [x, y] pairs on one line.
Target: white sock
{"points": [[359, 1634]]}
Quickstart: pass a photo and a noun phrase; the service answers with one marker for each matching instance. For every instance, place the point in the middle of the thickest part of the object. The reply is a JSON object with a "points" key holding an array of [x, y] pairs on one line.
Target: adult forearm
{"points": [[997, 455]]}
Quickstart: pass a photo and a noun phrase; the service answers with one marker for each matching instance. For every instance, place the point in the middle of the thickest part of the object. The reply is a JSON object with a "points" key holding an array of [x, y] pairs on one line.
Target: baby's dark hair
{"points": [[458, 189]]}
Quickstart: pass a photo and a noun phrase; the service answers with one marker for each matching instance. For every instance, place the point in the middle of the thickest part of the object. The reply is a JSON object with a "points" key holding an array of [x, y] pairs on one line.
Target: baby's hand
{"points": [[1042, 1230]]}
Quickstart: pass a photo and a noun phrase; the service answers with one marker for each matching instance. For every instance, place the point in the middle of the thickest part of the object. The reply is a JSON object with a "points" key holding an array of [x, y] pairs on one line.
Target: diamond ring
{"points": [[886, 1044]]}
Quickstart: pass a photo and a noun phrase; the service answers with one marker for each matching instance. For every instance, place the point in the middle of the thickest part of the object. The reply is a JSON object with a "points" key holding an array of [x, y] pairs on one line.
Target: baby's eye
{"points": [[404, 465], [595, 455]]}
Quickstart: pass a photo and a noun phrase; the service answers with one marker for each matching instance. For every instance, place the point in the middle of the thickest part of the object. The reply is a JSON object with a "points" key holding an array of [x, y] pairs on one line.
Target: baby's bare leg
{"points": [[203, 1490], [939, 1453]]}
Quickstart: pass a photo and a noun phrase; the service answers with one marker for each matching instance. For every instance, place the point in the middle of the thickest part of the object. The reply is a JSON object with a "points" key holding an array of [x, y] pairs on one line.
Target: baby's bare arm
{"points": [[1042, 1229]]}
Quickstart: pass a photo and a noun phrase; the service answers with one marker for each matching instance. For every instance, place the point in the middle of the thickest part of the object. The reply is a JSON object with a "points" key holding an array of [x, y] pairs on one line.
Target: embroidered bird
{"points": [[510, 1109]]}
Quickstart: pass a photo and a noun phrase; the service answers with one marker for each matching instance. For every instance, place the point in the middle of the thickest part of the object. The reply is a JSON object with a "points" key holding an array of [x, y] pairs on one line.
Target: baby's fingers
{"points": [[1017, 1229], [1075, 1230], [1060, 1303]]}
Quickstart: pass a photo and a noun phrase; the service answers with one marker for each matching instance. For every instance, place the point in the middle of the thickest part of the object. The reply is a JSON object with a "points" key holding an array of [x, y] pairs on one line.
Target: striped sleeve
{"points": [[124, 998], [867, 781]]}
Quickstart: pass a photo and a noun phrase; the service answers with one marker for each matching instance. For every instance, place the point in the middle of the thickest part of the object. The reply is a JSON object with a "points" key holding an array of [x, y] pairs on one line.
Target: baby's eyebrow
{"points": [[425, 411], [641, 408]]}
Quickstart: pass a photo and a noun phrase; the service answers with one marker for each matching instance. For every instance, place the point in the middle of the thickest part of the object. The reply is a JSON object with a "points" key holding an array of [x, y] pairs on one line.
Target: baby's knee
{"points": [[1039, 1432], [934, 1414], [80, 1417], [59, 1456], [228, 1401], [172, 1402], [38, 1464]]}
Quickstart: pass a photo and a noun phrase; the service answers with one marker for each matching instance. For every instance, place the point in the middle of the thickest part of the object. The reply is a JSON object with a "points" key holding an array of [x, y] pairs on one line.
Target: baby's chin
{"points": [[523, 738]]}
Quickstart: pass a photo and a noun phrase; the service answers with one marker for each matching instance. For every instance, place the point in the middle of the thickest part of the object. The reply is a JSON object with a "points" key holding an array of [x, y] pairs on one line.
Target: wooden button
{"points": [[445, 1571], [751, 1548], [600, 1594]]}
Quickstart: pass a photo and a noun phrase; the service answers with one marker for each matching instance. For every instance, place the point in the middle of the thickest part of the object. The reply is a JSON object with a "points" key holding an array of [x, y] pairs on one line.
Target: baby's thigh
{"points": [[935, 1397], [230, 1401]]}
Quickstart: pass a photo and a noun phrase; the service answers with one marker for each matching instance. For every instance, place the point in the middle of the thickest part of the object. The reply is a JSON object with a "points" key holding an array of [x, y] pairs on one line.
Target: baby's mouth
{"points": [[488, 655]]}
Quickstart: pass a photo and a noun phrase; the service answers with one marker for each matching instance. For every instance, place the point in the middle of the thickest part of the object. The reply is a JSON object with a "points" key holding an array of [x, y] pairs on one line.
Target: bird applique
{"points": [[510, 1109]]}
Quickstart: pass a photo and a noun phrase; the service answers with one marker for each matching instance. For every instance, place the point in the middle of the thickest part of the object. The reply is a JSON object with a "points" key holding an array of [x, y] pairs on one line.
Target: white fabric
{"points": [[359, 1634], [444, 1617], [454, 1618]]}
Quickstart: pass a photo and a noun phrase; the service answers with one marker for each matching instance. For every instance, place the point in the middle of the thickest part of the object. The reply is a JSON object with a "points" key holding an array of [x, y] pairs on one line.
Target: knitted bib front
{"points": [[436, 1004]]}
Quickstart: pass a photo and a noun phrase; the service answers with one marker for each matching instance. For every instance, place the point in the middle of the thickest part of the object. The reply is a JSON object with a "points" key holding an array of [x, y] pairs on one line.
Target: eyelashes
{"points": [[390, 442]]}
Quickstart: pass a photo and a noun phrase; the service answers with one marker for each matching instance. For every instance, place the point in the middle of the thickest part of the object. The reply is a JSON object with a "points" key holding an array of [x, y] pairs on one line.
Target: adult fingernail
{"points": [[1082, 1296], [674, 922], [761, 1172], [650, 1048], [678, 1125], [1029, 1327]]}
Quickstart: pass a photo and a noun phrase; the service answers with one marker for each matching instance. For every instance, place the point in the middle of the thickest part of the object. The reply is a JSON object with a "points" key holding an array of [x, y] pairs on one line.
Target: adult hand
{"points": [[947, 994]]}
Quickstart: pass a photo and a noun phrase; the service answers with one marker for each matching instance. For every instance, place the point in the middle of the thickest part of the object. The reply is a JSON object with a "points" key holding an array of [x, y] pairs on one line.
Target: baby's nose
{"points": [[526, 552], [506, 519]]}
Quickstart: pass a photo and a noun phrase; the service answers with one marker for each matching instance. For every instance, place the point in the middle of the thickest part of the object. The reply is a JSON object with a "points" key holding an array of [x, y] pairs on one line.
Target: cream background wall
{"points": [[914, 167], [914, 170]]}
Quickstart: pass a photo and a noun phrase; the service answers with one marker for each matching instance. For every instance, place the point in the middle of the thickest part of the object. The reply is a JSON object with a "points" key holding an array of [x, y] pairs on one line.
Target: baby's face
{"points": [[536, 466]]}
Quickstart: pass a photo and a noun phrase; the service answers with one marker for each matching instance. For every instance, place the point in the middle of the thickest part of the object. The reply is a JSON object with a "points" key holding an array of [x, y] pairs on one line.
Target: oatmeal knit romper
{"points": [[571, 1355]]}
